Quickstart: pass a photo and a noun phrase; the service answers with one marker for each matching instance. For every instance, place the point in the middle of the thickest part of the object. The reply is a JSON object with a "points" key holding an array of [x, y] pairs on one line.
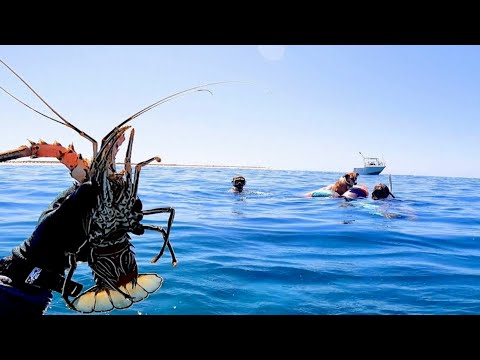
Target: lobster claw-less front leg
{"points": [[77, 165]]}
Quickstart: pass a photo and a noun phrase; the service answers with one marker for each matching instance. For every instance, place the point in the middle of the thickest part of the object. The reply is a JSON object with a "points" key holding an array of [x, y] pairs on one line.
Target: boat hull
{"points": [[371, 170]]}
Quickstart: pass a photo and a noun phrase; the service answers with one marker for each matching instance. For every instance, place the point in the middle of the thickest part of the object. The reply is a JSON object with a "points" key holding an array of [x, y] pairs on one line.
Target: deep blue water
{"points": [[269, 250]]}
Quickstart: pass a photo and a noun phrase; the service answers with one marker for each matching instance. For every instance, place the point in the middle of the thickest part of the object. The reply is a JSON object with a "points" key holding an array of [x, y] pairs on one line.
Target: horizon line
{"points": [[49, 162]]}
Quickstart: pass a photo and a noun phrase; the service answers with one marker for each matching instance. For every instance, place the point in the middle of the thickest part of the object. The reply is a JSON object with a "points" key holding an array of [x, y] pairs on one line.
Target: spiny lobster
{"points": [[118, 211]]}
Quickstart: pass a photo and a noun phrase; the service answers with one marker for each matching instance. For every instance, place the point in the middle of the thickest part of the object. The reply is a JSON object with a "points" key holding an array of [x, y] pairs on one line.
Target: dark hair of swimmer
{"points": [[381, 191]]}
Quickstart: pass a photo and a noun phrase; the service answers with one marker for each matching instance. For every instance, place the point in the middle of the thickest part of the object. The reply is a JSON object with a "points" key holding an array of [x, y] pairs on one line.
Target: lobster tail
{"points": [[97, 299]]}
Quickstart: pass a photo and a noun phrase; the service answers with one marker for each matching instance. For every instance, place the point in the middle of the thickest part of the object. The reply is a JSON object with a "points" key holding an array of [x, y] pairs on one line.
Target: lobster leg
{"points": [[166, 234], [73, 265], [165, 242], [137, 172]]}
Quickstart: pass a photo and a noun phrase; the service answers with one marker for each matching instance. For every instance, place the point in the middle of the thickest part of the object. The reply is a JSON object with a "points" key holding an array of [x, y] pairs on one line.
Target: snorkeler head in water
{"points": [[238, 183], [381, 191]]}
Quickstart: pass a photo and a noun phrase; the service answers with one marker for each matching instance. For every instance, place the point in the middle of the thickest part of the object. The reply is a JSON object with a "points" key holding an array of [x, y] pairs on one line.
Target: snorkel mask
{"points": [[239, 181]]}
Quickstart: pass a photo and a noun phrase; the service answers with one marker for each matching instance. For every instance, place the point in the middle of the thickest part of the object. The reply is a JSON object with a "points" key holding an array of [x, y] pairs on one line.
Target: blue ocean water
{"points": [[270, 250]]}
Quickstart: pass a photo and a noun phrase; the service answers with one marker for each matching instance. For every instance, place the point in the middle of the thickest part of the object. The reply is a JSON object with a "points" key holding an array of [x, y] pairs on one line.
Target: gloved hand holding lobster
{"points": [[36, 267]]}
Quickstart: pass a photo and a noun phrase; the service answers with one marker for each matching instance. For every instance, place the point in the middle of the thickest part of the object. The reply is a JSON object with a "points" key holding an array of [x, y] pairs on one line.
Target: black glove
{"points": [[61, 229]]}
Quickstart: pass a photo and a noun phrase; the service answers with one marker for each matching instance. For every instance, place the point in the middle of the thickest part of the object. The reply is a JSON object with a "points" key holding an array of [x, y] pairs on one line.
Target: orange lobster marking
{"points": [[77, 165], [67, 156]]}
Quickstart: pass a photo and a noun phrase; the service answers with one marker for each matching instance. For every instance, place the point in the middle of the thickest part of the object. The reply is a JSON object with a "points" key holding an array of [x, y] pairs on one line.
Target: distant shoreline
{"points": [[27, 162], [246, 167]]}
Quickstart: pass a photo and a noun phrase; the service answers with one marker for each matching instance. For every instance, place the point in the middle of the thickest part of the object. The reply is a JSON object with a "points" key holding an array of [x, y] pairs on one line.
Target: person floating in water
{"points": [[355, 192], [238, 183], [381, 191], [338, 188]]}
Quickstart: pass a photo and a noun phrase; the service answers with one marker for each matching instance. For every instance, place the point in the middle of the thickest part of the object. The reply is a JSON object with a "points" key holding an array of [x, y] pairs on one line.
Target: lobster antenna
{"points": [[173, 96], [66, 123], [168, 98], [31, 108]]}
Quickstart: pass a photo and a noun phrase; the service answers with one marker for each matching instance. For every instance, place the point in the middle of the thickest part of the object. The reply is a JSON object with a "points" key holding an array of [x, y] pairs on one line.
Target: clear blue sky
{"points": [[300, 108]]}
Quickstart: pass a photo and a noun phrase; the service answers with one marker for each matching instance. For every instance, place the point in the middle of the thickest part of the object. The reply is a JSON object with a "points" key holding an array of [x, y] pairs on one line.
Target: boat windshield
{"points": [[373, 162]]}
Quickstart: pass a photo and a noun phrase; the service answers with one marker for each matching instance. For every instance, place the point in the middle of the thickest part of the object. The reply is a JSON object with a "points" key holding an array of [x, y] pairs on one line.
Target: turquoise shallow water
{"points": [[271, 251]]}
